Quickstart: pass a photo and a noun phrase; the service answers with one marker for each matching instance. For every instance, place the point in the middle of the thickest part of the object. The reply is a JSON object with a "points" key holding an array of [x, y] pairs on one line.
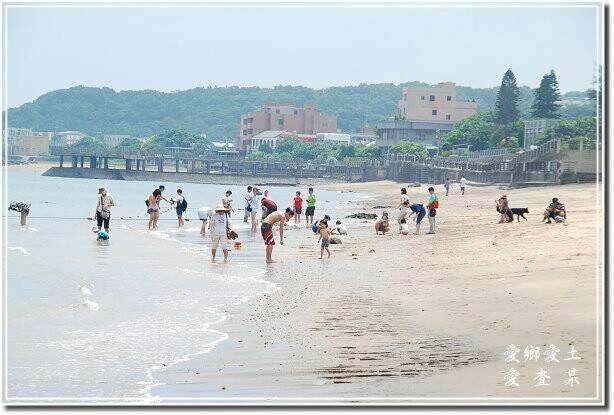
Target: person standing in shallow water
{"points": [[218, 226], [103, 209], [179, 208], [267, 231], [248, 199], [153, 209]]}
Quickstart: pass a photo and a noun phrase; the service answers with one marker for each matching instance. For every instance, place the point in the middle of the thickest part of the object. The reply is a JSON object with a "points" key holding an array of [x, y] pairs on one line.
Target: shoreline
{"points": [[181, 177], [358, 325]]}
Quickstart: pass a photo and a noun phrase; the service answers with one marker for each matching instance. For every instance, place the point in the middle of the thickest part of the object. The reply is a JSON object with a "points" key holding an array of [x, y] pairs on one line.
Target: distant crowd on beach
{"points": [[555, 212], [261, 210]]}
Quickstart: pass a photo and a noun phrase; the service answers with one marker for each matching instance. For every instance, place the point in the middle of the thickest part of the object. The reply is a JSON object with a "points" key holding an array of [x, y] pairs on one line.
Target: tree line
{"points": [[215, 111], [504, 125]]}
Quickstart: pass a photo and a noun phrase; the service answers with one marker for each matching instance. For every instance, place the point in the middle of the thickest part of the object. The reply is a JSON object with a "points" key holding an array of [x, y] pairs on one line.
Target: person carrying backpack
{"points": [[181, 207]]}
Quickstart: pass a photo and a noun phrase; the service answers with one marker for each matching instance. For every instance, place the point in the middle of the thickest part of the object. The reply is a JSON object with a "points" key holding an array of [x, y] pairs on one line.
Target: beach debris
{"points": [[362, 216], [354, 254], [371, 250], [382, 207], [223, 388], [414, 184]]}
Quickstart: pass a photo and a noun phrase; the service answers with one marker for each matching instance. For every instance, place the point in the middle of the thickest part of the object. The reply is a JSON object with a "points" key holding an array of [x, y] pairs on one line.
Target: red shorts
{"points": [[267, 233]]}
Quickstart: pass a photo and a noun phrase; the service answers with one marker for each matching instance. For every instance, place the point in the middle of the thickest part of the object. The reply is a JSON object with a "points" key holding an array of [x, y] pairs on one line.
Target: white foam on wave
{"points": [[150, 372], [28, 229], [18, 249], [91, 305], [148, 344], [85, 290]]}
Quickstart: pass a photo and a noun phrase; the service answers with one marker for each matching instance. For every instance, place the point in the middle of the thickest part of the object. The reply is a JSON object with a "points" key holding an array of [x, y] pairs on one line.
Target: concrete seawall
{"points": [[133, 175]]}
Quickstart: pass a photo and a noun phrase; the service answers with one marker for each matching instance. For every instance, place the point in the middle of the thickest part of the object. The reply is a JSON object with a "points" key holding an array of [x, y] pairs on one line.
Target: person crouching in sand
{"points": [[403, 228], [503, 208], [418, 209], [383, 224], [555, 210], [324, 236], [267, 230]]}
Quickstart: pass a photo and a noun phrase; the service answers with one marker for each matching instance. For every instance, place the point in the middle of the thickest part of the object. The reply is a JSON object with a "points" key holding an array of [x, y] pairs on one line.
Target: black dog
{"points": [[519, 212]]}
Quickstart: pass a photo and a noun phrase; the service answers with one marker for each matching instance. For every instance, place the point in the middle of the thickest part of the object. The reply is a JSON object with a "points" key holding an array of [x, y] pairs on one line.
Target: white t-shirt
{"points": [[204, 213], [218, 224], [342, 230], [107, 201], [463, 182], [226, 201], [179, 200], [248, 198], [405, 199], [255, 203]]}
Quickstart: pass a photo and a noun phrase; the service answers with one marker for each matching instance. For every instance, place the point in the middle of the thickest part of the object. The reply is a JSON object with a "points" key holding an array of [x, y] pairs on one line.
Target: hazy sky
{"points": [[180, 48]]}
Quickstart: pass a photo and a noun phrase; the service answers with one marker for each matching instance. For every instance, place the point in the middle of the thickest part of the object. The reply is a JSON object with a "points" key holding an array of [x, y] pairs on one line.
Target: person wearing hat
{"points": [[103, 209], [218, 228]]}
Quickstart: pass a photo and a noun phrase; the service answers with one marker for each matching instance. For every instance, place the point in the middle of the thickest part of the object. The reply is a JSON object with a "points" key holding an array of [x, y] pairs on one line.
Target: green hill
{"points": [[216, 110]]}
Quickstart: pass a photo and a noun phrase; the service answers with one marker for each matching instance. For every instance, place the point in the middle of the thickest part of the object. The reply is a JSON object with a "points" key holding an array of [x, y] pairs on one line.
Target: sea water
{"points": [[92, 320]]}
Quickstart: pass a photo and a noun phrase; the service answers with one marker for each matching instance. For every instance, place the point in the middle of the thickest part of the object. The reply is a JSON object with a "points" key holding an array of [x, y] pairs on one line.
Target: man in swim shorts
{"points": [[267, 230]]}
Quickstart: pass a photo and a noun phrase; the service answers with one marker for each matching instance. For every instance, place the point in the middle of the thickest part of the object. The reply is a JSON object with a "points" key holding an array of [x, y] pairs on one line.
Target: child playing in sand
{"points": [[403, 228], [324, 236], [340, 229], [383, 224]]}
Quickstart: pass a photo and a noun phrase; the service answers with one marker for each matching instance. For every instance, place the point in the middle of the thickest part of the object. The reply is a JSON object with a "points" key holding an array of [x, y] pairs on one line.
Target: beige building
{"points": [[284, 117], [30, 145], [67, 138], [434, 103], [534, 128], [112, 140]]}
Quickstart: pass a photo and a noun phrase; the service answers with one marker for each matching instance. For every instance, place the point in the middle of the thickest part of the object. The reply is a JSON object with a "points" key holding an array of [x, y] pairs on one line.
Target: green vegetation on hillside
{"points": [[322, 152], [216, 110], [572, 132]]}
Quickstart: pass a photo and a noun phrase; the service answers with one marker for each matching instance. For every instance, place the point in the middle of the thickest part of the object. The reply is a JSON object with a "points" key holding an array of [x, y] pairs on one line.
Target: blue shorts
{"points": [[179, 211], [421, 216], [325, 243]]}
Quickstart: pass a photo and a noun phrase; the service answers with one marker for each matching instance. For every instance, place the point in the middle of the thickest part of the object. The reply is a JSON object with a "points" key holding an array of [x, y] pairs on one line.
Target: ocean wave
{"points": [[147, 345], [18, 249]]}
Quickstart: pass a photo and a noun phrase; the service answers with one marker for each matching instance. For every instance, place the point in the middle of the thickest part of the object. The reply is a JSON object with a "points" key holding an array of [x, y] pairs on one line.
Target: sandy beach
{"points": [[420, 319]]}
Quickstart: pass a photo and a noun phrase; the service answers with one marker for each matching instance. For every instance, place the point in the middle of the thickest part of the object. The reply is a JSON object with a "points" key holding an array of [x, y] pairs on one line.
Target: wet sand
{"points": [[419, 319]]}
